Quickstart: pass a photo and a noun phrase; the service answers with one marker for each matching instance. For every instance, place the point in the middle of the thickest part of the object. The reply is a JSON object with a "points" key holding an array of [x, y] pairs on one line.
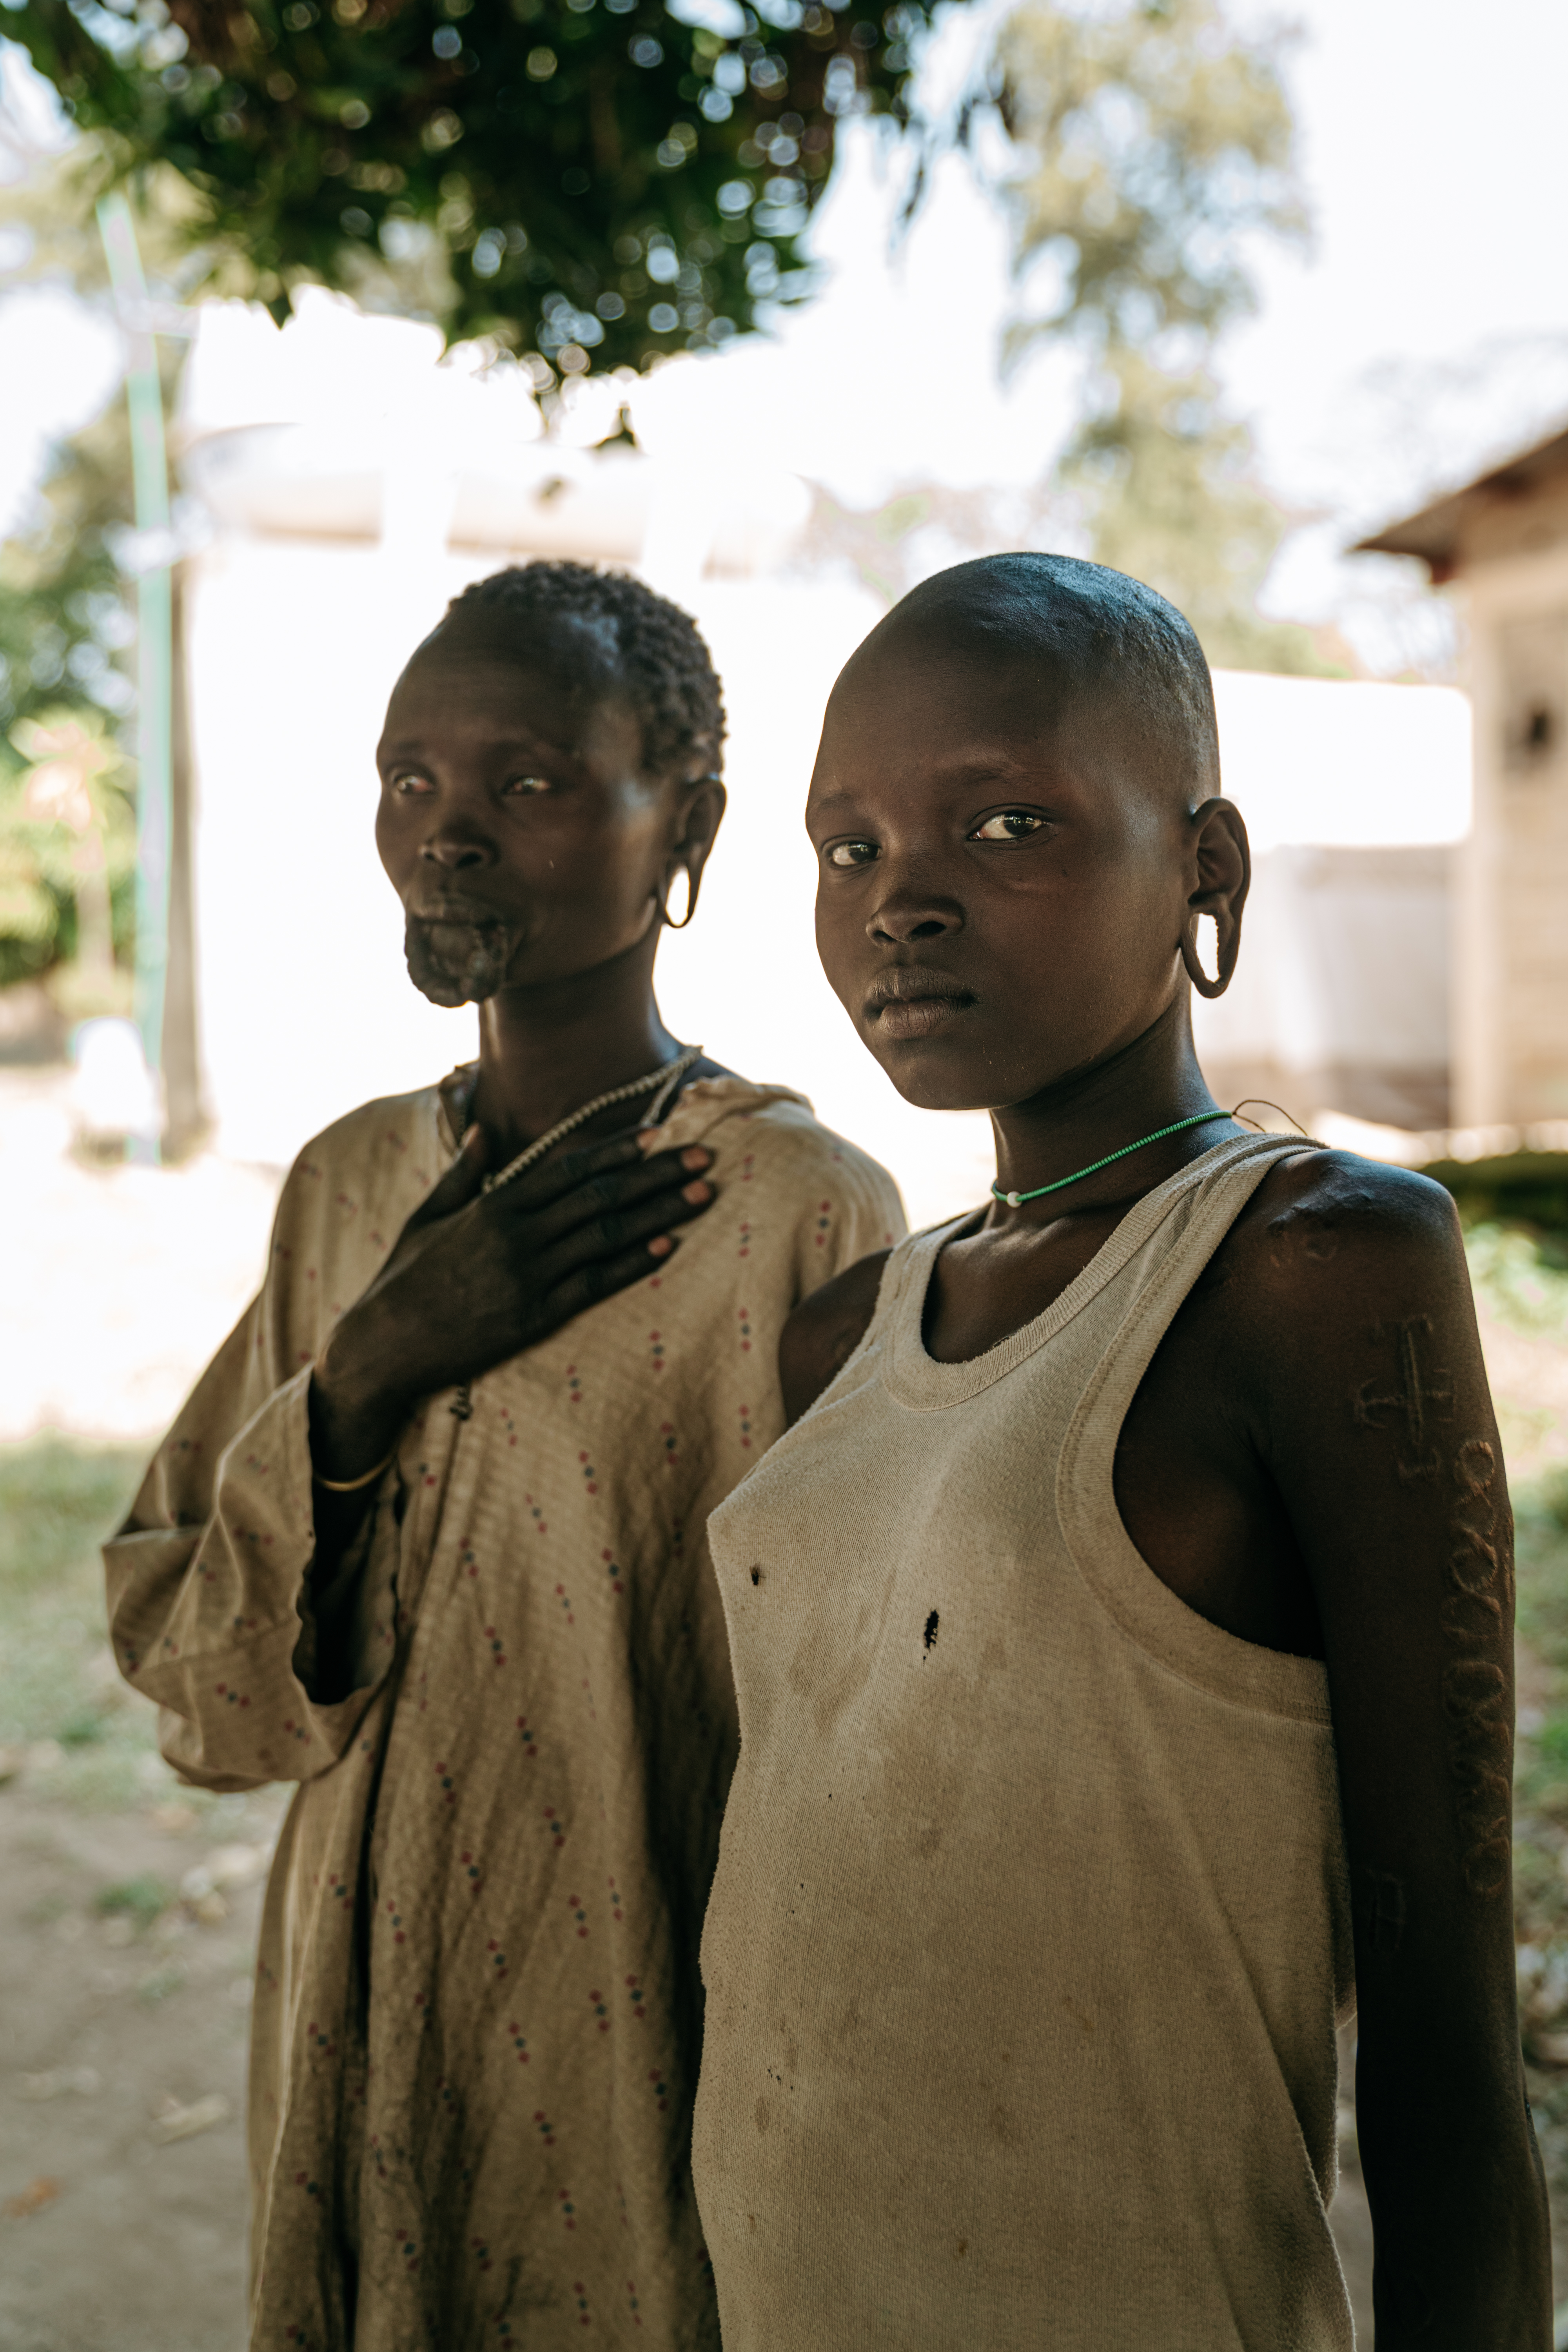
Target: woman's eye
{"points": [[851, 853], [412, 782], [528, 784], [1012, 824]]}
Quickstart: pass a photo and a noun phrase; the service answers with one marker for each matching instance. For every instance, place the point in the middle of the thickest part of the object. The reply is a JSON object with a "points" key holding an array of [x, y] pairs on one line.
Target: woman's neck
{"points": [[544, 1052]]}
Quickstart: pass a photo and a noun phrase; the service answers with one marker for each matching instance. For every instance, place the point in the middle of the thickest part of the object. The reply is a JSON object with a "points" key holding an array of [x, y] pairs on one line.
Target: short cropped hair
{"points": [[1094, 632], [655, 648]]}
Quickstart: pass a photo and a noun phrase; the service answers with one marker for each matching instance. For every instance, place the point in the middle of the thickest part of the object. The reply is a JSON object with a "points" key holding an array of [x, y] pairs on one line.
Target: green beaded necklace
{"points": [[1016, 1199]]}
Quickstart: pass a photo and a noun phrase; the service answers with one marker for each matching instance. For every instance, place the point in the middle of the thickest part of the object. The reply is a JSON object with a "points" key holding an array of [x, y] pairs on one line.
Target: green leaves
{"points": [[595, 183]]}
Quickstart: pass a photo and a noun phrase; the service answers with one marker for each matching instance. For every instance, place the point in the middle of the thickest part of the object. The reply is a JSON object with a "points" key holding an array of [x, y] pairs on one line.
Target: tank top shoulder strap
{"points": [[1086, 1496]]}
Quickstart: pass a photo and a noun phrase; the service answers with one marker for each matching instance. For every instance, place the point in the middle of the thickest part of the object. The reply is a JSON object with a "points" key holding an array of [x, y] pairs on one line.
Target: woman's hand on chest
{"points": [[474, 1278]]}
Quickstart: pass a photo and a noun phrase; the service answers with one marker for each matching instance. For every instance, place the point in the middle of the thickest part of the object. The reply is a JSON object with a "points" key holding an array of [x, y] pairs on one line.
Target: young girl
{"points": [[1123, 1638], [429, 1538]]}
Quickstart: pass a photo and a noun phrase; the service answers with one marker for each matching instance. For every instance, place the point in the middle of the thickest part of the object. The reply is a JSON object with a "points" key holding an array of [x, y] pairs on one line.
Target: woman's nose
{"points": [[457, 851]]}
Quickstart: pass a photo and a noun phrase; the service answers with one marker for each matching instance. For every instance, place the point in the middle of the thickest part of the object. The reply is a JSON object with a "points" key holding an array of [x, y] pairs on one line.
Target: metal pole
{"points": [[155, 644]]}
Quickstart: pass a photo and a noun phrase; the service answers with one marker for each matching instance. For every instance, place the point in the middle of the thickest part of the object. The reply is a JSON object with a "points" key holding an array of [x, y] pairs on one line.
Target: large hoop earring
{"points": [[664, 914], [1226, 949]]}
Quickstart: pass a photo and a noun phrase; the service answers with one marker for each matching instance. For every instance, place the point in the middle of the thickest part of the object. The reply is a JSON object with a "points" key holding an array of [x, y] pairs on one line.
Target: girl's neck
{"points": [[544, 1052], [1149, 1084]]}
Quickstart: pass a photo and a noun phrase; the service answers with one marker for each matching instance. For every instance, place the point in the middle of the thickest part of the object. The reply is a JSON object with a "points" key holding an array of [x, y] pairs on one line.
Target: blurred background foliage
{"points": [[601, 184]]}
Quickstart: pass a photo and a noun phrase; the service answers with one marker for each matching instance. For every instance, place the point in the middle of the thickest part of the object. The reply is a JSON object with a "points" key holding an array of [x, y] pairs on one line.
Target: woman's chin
{"points": [[459, 963]]}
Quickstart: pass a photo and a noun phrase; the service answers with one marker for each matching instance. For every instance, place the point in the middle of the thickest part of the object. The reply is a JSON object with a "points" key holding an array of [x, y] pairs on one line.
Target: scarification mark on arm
{"points": [[1419, 1404], [1475, 1687]]}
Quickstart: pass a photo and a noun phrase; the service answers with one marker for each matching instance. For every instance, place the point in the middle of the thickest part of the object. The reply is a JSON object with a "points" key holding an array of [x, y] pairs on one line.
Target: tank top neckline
{"points": [[921, 1381]]}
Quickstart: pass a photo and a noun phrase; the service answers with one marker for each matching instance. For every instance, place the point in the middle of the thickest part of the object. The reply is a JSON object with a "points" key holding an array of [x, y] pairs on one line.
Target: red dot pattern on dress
{"points": [[601, 2010], [589, 1475], [555, 1828], [615, 1574], [580, 1916], [574, 1385], [546, 2128], [518, 2043], [399, 1933], [581, 2293], [562, 1595], [498, 1647], [639, 2004], [824, 1223], [660, 2088], [568, 2211], [480, 2251], [497, 1960], [616, 1899], [631, 2302], [746, 1427], [449, 1786], [745, 1317], [654, 1352], [530, 1745]]}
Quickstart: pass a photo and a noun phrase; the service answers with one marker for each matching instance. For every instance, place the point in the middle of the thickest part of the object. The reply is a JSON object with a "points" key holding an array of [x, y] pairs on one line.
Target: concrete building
{"points": [[1502, 540]]}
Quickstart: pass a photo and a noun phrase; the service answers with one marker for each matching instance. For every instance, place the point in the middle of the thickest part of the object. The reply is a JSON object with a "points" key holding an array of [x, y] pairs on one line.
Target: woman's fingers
{"points": [[608, 1192], [601, 1278], [609, 1234]]}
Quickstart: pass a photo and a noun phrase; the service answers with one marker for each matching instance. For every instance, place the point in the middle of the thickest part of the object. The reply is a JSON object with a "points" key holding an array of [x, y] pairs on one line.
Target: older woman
{"points": [[429, 1538]]}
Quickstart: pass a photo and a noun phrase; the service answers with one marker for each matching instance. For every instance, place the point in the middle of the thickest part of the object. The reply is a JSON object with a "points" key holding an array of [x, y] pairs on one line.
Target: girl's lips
{"points": [[917, 1016]]}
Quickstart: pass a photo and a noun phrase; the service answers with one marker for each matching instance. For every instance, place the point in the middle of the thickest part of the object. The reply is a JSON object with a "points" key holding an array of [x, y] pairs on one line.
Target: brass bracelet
{"points": [[353, 1485]]}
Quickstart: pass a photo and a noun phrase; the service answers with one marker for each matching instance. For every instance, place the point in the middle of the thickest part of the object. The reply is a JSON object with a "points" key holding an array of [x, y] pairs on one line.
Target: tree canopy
{"points": [[594, 181], [1156, 140]]}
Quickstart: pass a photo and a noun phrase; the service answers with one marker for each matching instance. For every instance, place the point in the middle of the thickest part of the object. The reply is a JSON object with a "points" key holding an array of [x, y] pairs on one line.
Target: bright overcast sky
{"points": [[1437, 171]]}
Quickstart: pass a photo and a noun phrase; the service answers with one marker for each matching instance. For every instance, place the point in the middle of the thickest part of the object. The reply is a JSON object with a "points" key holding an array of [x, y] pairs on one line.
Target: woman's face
{"points": [[517, 823]]}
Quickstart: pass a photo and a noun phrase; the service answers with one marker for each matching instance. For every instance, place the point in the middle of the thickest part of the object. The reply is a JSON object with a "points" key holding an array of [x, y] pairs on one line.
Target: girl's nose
{"points": [[908, 916]]}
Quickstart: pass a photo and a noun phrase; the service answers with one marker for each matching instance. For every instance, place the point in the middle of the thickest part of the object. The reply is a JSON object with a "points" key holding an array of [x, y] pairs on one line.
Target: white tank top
{"points": [[1030, 1931]]}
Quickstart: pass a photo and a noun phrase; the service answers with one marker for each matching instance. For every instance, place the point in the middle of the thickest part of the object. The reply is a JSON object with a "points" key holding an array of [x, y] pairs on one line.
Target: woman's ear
{"points": [[699, 812], [1224, 860]]}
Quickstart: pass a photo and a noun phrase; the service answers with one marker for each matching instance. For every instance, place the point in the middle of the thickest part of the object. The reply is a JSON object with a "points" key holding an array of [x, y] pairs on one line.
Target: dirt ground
{"points": [[122, 2190]]}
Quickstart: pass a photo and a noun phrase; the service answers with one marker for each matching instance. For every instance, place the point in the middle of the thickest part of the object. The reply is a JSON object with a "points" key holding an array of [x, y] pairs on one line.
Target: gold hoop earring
{"points": [[664, 914], [1226, 953]]}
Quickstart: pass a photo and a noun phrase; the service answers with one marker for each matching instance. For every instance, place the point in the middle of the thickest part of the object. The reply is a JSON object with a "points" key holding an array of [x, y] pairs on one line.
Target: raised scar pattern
{"points": [[1419, 1404], [1475, 1688]]}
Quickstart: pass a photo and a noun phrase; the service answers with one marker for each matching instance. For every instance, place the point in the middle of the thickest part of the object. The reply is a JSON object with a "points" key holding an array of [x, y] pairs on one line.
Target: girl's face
{"points": [[517, 824], [1004, 882]]}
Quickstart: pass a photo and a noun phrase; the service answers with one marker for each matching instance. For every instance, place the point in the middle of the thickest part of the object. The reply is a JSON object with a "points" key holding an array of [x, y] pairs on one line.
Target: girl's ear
{"points": [[1224, 858]]}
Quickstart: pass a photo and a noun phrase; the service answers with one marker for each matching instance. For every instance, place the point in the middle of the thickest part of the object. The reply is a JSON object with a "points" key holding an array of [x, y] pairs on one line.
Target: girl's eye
{"points": [[411, 783], [521, 784], [1012, 824], [851, 853]]}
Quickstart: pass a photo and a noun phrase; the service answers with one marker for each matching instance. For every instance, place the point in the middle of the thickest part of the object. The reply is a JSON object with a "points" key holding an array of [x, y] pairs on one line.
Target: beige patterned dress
{"points": [[477, 2013]]}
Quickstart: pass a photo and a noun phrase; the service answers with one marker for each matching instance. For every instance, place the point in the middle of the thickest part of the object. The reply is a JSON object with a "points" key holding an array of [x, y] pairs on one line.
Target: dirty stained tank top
{"points": [[1030, 1928]]}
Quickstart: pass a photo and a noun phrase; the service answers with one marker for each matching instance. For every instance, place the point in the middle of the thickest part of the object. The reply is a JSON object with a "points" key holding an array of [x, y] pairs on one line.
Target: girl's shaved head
{"points": [[1090, 633]]}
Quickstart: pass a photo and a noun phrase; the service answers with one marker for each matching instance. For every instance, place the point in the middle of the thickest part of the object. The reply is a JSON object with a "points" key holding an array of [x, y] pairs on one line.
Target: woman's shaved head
{"points": [[1090, 634]]}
